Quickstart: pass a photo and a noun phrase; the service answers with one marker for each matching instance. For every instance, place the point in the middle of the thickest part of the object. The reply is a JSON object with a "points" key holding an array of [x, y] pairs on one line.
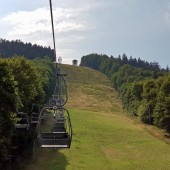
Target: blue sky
{"points": [[139, 28]]}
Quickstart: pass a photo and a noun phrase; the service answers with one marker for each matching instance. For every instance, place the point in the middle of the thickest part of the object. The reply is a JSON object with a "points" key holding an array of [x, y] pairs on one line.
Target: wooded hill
{"points": [[28, 50], [144, 87]]}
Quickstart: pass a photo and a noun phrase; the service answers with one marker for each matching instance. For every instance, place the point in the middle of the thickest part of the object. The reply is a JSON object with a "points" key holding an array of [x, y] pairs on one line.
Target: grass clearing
{"points": [[104, 138]]}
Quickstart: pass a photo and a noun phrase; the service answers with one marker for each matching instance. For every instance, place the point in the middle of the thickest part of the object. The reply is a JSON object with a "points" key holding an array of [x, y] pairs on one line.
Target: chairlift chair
{"points": [[22, 122], [35, 114], [59, 136], [34, 118]]}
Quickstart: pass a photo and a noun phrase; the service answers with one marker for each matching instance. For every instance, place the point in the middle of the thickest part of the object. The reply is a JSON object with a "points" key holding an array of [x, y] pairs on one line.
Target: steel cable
{"points": [[52, 23]]}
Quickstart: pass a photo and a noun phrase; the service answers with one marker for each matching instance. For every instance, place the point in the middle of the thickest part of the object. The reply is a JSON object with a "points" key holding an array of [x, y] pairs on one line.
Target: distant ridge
{"points": [[18, 48]]}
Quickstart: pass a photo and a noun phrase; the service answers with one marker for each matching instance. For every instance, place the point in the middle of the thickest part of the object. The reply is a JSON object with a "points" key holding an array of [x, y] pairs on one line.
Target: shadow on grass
{"points": [[47, 159], [60, 162]]}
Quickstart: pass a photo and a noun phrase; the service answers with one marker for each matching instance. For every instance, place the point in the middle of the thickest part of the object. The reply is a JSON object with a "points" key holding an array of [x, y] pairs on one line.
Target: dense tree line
{"points": [[28, 50], [104, 63], [22, 83], [144, 87]]}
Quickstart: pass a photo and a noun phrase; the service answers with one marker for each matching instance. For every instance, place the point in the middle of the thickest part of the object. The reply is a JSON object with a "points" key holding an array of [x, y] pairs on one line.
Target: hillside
{"points": [[142, 86], [104, 137], [90, 90]]}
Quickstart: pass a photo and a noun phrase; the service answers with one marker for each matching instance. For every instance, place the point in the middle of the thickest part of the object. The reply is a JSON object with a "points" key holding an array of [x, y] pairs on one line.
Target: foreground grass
{"points": [[104, 138], [108, 142]]}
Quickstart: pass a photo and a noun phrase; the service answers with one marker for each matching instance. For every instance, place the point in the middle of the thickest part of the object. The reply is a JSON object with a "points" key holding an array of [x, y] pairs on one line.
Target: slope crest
{"points": [[90, 90]]}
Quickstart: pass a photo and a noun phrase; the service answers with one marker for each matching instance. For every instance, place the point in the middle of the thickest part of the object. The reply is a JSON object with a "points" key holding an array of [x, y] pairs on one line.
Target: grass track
{"points": [[104, 138]]}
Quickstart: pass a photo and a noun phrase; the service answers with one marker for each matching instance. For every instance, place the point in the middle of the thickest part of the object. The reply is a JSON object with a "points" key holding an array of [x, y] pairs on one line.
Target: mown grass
{"points": [[104, 137], [90, 90]]}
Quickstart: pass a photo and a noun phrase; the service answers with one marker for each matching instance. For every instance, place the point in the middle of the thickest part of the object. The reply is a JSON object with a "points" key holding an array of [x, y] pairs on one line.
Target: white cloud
{"points": [[25, 23], [72, 18]]}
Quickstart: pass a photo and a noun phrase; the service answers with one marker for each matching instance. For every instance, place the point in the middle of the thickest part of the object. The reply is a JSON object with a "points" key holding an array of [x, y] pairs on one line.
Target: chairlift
{"points": [[59, 135], [34, 118], [46, 114], [60, 91], [22, 122], [34, 114]]}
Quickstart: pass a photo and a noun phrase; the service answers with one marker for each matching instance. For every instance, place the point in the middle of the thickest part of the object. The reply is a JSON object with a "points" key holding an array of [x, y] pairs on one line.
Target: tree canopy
{"points": [[22, 83]]}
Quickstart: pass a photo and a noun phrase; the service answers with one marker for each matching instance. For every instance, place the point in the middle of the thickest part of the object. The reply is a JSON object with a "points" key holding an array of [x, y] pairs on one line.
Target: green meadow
{"points": [[104, 136]]}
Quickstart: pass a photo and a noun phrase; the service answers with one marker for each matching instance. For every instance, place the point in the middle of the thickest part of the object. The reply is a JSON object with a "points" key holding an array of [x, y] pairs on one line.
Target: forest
{"points": [[18, 48], [22, 83], [144, 87]]}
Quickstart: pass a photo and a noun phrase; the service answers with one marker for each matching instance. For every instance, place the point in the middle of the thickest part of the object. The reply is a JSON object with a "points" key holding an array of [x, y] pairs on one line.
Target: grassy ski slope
{"points": [[104, 137]]}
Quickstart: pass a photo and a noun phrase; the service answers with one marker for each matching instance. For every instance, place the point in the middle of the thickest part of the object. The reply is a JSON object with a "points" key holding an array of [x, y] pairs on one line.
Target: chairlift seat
{"points": [[58, 129], [58, 124], [21, 126], [47, 135], [23, 122], [34, 120], [60, 116], [43, 118], [59, 121], [34, 113], [45, 115], [55, 143]]}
